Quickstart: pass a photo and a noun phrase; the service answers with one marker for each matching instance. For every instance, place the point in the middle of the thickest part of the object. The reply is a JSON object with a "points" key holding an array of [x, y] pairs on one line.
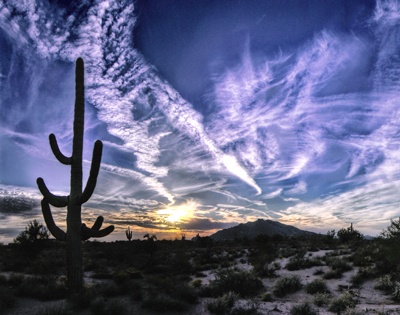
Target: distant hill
{"points": [[252, 229]]}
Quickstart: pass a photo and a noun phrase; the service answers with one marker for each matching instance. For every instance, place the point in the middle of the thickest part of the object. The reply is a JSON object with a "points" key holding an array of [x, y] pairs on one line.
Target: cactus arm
{"points": [[97, 225], [88, 233], [94, 172], [56, 201], [48, 218], [56, 151]]}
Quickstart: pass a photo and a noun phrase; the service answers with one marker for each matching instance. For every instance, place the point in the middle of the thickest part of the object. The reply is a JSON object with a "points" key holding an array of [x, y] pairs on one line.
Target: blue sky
{"points": [[212, 113]]}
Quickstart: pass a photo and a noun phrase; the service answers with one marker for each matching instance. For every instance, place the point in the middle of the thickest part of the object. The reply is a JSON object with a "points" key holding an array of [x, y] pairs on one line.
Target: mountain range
{"points": [[252, 229]]}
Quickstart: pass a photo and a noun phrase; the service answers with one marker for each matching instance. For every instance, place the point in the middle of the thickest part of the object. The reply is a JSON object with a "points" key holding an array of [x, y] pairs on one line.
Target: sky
{"points": [[212, 113]]}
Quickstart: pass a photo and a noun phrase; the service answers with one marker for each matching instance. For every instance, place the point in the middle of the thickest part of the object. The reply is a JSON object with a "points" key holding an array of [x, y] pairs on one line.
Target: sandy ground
{"points": [[371, 301]]}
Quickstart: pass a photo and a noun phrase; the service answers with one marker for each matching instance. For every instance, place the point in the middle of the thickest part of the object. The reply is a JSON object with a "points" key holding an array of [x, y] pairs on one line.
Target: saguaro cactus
{"points": [[76, 230], [128, 233]]}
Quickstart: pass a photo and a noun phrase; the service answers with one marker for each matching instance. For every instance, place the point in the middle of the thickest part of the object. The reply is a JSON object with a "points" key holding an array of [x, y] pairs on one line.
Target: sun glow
{"points": [[178, 213]]}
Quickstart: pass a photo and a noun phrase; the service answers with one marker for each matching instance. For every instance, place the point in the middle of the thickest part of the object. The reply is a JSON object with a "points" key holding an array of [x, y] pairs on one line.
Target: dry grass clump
{"points": [[316, 286], [321, 299], [222, 304], [287, 285], [303, 309], [242, 282], [342, 303]]}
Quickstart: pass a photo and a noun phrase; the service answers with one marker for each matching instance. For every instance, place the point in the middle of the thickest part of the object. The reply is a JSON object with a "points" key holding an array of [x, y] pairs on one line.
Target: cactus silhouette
{"points": [[76, 231], [128, 233]]}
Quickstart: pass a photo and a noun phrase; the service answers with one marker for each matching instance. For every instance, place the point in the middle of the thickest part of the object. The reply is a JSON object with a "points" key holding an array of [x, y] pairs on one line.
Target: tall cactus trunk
{"points": [[76, 231], [74, 221]]}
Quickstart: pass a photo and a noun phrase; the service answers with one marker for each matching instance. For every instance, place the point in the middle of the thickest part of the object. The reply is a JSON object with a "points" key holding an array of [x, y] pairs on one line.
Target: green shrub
{"points": [[316, 286], [342, 303], [266, 297], [287, 285], [321, 299], [266, 270], [197, 283], [297, 263], [385, 283], [303, 309], [242, 282], [163, 302], [339, 264], [125, 275], [222, 304]]}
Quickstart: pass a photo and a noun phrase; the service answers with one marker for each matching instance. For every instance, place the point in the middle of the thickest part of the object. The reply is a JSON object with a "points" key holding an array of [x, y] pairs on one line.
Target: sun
{"points": [[176, 214]]}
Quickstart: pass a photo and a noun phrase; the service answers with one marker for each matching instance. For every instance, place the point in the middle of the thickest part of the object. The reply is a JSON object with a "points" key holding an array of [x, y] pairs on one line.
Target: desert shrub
{"points": [[349, 235], [134, 289], [164, 302], [184, 292], [352, 311], [108, 307], [321, 299], [125, 275], [33, 233], [197, 283], [83, 299], [360, 277], [251, 308], [206, 291], [42, 288], [333, 274], [316, 286], [287, 285], [340, 304], [266, 270], [384, 283], [43, 267], [297, 263], [303, 309], [287, 252], [318, 272], [339, 264], [266, 297], [110, 290], [102, 272], [222, 304], [396, 291], [242, 282], [7, 299]]}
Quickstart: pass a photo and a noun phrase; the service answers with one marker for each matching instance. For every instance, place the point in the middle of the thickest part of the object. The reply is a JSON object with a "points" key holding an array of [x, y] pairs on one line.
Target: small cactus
{"points": [[128, 234]]}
